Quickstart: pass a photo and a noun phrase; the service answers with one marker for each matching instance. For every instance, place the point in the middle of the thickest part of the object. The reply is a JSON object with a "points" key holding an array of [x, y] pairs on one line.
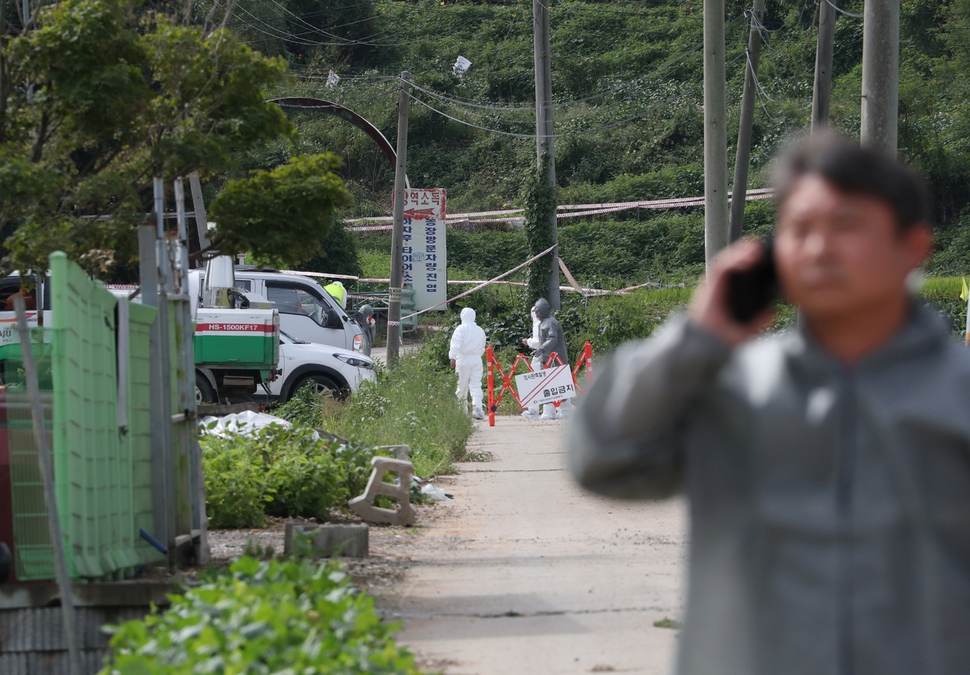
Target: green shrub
{"points": [[279, 472], [305, 476], [303, 409], [263, 617], [608, 322], [236, 491]]}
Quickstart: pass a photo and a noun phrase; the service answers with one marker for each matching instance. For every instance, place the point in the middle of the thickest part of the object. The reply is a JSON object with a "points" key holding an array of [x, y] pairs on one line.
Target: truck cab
{"points": [[307, 312], [38, 311]]}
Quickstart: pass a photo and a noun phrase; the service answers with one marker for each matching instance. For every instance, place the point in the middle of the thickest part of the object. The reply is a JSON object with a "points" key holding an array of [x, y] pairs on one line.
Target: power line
{"points": [[314, 29], [469, 102], [840, 10], [338, 101], [292, 38], [603, 127]]}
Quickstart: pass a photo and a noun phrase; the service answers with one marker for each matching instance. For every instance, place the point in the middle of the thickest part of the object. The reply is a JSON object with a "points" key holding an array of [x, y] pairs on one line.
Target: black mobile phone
{"points": [[754, 290]]}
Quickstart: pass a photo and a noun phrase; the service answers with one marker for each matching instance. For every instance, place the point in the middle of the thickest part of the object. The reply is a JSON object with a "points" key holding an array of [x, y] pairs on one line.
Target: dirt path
{"points": [[525, 573]]}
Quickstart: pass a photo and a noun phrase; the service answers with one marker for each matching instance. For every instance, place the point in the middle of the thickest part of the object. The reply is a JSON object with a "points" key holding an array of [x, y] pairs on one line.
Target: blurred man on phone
{"points": [[827, 468]]}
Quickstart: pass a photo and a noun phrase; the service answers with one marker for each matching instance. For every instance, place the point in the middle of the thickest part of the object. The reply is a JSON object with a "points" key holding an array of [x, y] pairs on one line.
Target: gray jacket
{"points": [[361, 318], [830, 508], [551, 339]]}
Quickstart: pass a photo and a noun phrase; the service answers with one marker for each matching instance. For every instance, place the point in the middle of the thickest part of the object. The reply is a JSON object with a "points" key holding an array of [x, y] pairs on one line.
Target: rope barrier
{"points": [[482, 285], [563, 210], [573, 287]]}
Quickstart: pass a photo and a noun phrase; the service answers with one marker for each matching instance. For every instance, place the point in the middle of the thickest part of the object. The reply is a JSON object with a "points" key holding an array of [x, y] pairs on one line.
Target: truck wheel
{"points": [[204, 393], [322, 385]]}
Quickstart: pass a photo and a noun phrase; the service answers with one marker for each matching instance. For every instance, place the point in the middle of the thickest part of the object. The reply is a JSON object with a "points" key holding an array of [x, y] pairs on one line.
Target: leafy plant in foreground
{"points": [[263, 617]]}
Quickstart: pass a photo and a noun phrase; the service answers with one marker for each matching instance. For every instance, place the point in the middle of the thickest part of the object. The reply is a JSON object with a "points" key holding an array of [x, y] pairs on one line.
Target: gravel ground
{"points": [[389, 546]]}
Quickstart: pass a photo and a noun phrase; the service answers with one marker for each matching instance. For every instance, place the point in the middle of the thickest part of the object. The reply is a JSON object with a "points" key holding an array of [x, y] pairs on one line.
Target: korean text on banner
{"points": [[425, 253], [545, 386]]}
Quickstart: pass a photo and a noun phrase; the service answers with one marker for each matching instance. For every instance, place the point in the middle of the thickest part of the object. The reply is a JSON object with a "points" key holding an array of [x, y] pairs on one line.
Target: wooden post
{"points": [[397, 233], [47, 478], [743, 157], [716, 233], [880, 75], [822, 90]]}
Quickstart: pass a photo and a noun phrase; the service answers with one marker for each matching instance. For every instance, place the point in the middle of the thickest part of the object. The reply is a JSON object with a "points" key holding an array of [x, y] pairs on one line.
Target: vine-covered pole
{"points": [[544, 135]]}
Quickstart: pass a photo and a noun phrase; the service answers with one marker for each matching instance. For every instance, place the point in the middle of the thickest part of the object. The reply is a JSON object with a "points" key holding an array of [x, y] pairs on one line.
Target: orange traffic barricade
{"points": [[508, 382]]}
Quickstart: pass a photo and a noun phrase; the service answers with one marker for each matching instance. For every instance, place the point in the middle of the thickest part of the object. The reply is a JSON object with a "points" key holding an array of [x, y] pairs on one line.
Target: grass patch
{"points": [[374, 264], [413, 404], [667, 623], [943, 295]]}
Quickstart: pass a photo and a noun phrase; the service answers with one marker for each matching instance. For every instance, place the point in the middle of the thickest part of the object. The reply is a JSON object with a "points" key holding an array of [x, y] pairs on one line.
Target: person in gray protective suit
{"points": [[827, 468], [364, 317], [548, 339]]}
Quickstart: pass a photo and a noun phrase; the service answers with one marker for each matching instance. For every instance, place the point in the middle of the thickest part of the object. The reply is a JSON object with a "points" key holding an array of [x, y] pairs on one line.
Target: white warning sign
{"points": [[545, 386]]}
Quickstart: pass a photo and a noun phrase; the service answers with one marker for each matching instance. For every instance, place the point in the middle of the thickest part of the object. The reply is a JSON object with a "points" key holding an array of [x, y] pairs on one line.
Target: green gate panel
{"points": [[139, 436], [34, 557], [102, 472]]}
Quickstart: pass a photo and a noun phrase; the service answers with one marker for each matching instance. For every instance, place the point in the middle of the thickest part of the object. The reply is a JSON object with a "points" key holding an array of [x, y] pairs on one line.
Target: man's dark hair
{"points": [[853, 169]]}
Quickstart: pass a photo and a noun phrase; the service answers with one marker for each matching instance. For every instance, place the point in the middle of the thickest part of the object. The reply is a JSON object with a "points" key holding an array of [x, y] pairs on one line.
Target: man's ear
{"points": [[918, 241]]}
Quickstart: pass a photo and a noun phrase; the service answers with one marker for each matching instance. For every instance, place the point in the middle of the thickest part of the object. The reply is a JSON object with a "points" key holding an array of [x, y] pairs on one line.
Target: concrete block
{"points": [[399, 491], [327, 540]]}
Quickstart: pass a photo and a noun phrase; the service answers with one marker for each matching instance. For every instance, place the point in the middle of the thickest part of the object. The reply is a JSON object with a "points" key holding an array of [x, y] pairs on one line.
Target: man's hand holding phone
{"points": [[736, 301]]}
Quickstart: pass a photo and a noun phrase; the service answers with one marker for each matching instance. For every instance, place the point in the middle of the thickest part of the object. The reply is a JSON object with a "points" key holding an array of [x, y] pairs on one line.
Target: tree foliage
{"points": [[99, 98], [283, 214]]}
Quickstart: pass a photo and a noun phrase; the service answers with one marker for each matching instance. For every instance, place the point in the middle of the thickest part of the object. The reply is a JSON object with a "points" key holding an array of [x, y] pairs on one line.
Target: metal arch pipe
{"points": [[347, 115]]}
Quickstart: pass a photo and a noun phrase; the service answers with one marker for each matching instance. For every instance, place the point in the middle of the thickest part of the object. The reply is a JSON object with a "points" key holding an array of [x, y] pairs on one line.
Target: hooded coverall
{"points": [[547, 339], [467, 349], [364, 317]]}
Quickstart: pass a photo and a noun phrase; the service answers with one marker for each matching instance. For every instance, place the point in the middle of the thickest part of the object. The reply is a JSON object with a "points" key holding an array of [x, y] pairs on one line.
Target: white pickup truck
{"points": [[331, 370], [307, 312]]}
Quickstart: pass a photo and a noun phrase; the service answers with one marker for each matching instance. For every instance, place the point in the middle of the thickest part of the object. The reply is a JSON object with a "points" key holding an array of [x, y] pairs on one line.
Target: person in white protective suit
{"points": [[532, 412], [466, 352]]}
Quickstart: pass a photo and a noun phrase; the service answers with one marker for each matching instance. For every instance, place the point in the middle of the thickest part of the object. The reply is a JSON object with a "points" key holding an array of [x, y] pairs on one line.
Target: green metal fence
{"points": [[102, 460]]}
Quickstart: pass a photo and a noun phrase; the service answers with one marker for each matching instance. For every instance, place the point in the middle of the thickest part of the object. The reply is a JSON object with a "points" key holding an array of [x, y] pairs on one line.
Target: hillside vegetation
{"points": [[627, 78]]}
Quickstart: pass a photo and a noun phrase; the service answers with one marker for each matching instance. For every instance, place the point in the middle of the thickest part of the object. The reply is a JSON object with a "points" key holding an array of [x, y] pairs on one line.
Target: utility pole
{"points": [[716, 226], [25, 8], [544, 133], [397, 233], [822, 91], [880, 75], [743, 157], [198, 207]]}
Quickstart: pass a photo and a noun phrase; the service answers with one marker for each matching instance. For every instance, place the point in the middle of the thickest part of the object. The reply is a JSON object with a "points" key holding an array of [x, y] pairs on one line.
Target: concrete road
{"points": [[525, 573]]}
